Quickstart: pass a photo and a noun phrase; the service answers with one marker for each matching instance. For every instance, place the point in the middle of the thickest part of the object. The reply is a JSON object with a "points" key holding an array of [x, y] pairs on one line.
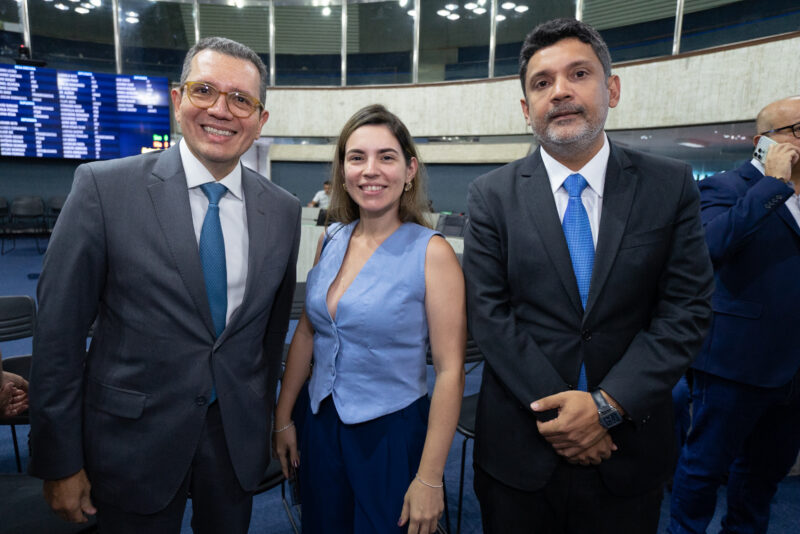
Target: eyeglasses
{"points": [[204, 95], [794, 127]]}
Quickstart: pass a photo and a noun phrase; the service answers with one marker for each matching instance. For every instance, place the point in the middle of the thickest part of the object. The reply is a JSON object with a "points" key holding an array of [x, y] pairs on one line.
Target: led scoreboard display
{"points": [[52, 113]]}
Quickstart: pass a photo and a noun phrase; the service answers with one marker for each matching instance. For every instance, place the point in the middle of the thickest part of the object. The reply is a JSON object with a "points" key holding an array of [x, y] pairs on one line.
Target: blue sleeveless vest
{"points": [[371, 359]]}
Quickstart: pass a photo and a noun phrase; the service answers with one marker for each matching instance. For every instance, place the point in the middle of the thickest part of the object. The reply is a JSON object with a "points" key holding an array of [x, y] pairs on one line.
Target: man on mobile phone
{"points": [[746, 381]]}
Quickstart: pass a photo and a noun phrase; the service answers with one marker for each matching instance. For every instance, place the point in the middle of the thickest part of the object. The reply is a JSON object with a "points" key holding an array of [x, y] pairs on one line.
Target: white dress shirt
{"points": [[232, 216], [793, 202], [592, 197]]}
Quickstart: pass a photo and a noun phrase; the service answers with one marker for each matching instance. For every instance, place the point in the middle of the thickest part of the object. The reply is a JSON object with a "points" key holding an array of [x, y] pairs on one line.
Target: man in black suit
{"points": [[588, 305]]}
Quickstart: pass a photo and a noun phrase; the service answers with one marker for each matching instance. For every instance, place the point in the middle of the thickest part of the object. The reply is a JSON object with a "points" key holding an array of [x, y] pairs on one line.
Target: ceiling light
{"points": [[87, 5], [96, 3], [81, 10], [453, 16], [521, 9], [691, 143], [479, 10], [412, 13], [326, 11], [508, 5], [500, 18], [481, 2], [442, 12], [470, 5], [451, 7], [62, 7], [132, 20], [402, 3]]}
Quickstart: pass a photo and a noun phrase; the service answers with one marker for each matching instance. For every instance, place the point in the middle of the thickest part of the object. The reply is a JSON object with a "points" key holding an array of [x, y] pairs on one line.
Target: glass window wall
{"points": [[245, 21], [633, 30], [73, 34], [308, 44], [380, 42], [155, 37], [10, 29], [454, 40]]}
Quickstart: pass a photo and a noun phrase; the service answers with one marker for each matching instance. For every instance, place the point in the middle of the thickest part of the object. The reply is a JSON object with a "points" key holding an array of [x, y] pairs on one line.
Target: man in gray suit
{"points": [[588, 287], [187, 260]]}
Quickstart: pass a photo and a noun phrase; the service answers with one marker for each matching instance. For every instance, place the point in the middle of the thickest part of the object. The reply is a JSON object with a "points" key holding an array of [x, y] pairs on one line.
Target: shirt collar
{"points": [[594, 171], [197, 174]]}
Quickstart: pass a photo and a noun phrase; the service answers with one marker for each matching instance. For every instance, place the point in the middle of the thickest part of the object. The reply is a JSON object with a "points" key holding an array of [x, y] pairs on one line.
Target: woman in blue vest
{"points": [[383, 286]]}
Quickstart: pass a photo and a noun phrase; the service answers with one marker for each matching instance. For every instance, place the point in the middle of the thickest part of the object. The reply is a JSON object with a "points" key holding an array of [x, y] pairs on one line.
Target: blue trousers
{"points": [[748, 432], [353, 478]]}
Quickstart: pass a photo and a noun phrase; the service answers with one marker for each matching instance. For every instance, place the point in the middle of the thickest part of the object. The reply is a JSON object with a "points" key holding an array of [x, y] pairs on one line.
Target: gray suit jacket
{"points": [[132, 409], [647, 311]]}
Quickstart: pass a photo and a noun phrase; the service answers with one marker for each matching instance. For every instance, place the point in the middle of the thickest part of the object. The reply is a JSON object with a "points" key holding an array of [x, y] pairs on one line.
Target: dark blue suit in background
{"points": [[747, 390]]}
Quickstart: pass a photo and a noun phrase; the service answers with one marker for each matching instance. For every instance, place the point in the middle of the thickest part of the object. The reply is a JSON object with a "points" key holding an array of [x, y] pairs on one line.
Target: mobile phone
{"points": [[760, 153]]}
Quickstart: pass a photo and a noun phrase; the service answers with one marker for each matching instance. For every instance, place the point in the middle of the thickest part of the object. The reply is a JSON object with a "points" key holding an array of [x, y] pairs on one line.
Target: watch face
{"points": [[610, 418]]}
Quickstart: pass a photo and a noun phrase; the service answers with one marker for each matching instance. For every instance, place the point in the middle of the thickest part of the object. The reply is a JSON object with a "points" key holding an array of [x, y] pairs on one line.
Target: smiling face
{"points": [[214, 135], [375, 170], [567, 98]]}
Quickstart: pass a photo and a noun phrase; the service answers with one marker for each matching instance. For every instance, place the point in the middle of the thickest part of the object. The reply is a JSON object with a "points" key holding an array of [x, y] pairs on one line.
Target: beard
{"points": [[573, 137]]}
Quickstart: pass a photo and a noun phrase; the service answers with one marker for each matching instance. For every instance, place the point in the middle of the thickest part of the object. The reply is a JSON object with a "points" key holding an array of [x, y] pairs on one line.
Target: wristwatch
{"points": [[609, 416]]}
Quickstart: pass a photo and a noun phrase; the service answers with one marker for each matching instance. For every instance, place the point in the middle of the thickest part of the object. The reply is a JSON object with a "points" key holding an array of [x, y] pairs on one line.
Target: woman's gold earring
{"points": [[407, 186]]}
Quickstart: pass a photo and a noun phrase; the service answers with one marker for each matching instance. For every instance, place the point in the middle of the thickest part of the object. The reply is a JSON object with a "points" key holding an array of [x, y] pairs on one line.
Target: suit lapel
{"points": [[170, 197], [618, 193], [535, 186], [259, 234]]}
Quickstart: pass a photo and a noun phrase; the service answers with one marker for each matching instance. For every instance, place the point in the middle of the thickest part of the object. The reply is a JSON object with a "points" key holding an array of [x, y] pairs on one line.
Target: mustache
{"points": [[564, 109]]}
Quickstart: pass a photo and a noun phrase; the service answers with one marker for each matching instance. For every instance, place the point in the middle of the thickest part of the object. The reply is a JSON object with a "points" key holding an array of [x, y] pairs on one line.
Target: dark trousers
{"points": [[219, 504], [353, 478], [748, 432], [574, 501]]}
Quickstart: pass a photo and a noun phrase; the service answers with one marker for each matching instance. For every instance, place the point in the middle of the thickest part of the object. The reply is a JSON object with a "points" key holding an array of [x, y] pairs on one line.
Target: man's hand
{"points": [[577, 426], [781, 160], [596, 453], [69, 497], [14, 395]]}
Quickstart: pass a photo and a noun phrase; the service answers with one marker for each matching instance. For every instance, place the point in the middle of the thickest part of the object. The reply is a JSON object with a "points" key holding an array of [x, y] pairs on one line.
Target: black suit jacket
{"points": [[646, 314], [132, 410]]}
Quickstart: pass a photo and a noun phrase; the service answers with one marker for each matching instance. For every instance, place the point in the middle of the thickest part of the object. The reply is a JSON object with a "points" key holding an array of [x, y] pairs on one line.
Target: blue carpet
{"points": [[269, 516]]}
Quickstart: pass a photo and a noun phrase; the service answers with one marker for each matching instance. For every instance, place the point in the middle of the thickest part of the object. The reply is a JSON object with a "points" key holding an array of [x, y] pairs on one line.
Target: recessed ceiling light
{"points": [[500, 18], [453, 16], [96, 3], [133, 14], [402, 3], [326, 11], [411, 13], [470, 5], [62, 7], [508, 5], [442, 12], [692, 144], [479, 10], [521, 9], [81, 10], [132, 20], [451, 7]]}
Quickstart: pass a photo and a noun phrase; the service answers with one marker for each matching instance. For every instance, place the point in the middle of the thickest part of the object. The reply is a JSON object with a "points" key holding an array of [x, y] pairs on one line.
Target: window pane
{"points": [[308, 49], [73, 35], [708, 23], [454, 41], [380, 42], [519, 19], [155, 37], [633, 30], [10, 28]]}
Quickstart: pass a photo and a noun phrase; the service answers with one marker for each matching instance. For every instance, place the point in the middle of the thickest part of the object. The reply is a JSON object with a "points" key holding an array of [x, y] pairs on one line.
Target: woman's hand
{"points": [[285, 449], [422, 508]]}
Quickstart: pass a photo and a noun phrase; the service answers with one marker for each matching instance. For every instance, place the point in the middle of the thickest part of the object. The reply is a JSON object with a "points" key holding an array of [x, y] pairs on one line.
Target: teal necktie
{"points": [[212, 256]]}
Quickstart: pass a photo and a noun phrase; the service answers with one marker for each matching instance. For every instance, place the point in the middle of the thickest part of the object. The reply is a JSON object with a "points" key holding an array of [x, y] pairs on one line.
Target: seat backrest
{"points": [[452, 225], [298, 301], [55, 204], [17, 317], [27, 207]]}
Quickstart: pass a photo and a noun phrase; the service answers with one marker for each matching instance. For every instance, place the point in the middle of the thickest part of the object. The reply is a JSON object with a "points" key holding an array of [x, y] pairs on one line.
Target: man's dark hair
{"points": [[229, 48], [550, 32]]}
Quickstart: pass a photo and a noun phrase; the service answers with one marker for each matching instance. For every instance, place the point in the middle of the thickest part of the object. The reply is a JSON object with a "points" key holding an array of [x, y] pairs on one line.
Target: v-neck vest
{"points": [[371, 358]]}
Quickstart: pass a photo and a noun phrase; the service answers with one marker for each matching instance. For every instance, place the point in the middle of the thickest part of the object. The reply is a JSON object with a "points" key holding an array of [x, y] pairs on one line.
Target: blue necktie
{"points": [[578, 233], [212, 256]]}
